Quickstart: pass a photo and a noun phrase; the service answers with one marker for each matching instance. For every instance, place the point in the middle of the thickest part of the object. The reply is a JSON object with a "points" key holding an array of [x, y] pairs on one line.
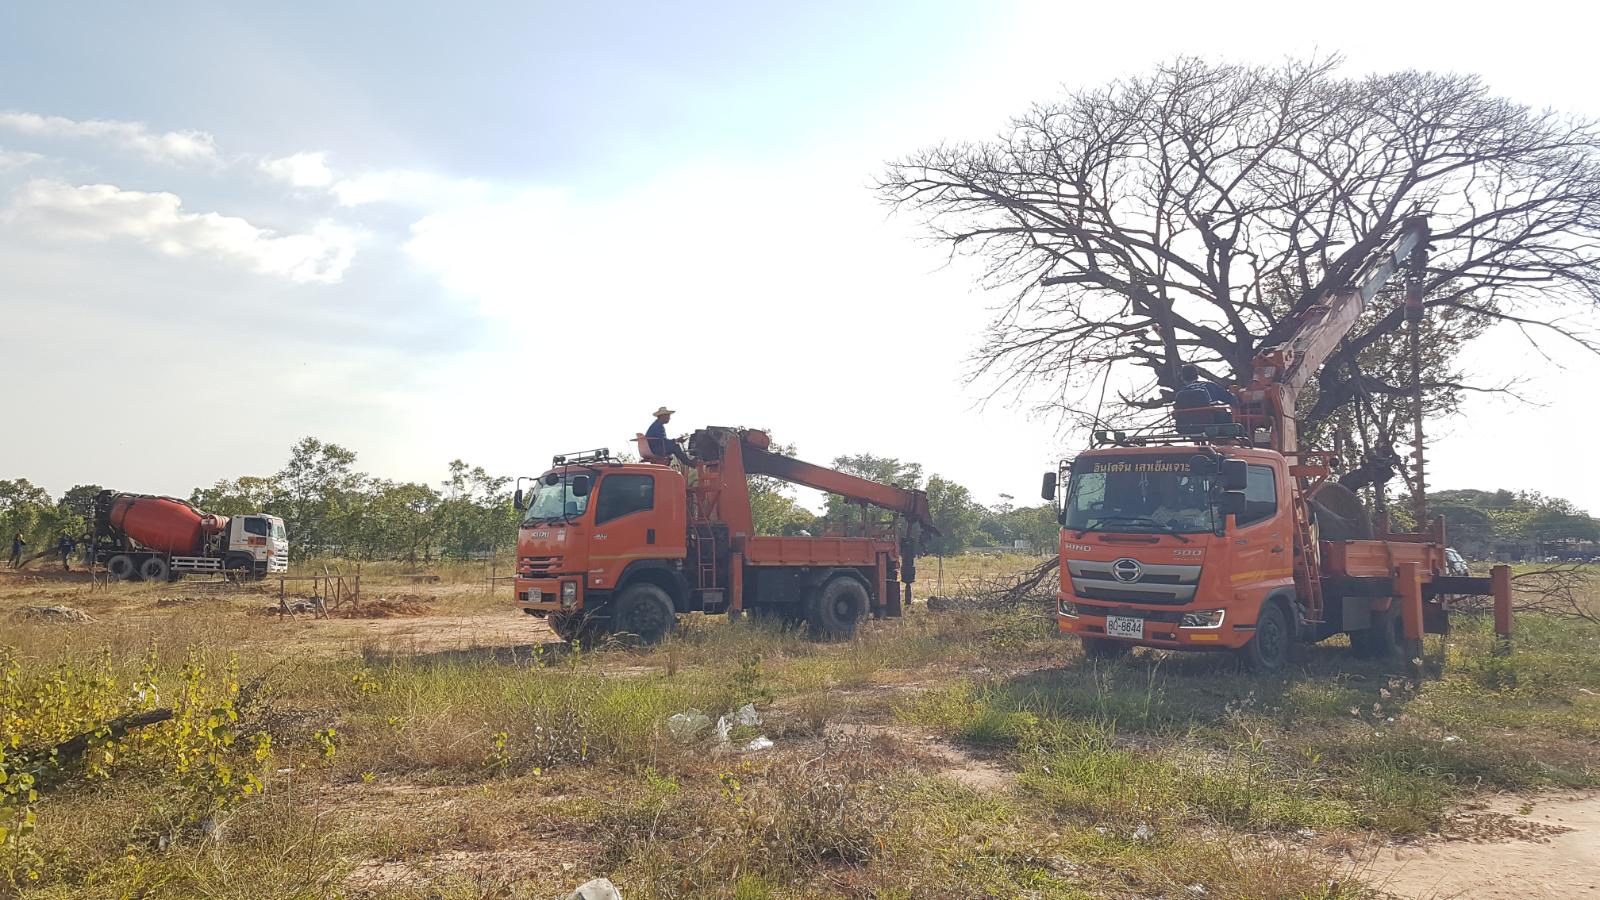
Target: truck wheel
{"points": [[643, 614], [241, 568], [1384, 639], [121, 567], [833, 611], [155, 569], [1105, 648], [1269, 648]]}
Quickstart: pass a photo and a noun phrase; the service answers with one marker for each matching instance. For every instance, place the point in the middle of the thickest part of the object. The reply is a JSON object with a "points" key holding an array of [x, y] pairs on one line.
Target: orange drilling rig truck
{"points": [[1225, 535], [624, 548]]}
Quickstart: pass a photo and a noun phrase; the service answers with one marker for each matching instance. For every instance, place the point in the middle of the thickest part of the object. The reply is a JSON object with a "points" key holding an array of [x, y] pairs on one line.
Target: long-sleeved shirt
{"points": [[1216, 393], [656, 434]]}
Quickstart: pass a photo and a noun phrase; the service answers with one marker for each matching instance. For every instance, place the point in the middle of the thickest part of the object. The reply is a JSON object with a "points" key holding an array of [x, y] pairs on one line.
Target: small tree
{"points": [[955, 515], [843, 516]]}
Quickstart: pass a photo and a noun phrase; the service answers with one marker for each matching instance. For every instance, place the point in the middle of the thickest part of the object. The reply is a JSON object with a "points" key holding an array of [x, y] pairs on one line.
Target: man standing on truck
{"points": [[1215, 393], [17, 546], [660, 444]]}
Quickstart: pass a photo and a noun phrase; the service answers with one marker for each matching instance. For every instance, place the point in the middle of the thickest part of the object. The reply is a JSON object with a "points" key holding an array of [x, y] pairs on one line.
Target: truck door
{"points": [[632, 520], [1263, 551]]}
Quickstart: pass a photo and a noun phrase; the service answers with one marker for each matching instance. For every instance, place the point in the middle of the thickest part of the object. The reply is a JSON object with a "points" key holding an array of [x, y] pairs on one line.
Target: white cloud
{"points": [[103, 212], [16, 159], [412, 188], [302, 170], [174, 147], [408, 187]]}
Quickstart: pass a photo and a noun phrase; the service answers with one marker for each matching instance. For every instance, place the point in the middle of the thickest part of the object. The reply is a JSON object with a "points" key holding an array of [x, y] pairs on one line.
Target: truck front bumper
{"points": [[1158, 626], [556, 594]]}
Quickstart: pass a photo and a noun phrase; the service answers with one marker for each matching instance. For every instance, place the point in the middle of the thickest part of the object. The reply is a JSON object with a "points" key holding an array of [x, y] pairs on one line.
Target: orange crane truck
{"points": [[1225, 535], [624, 548]]}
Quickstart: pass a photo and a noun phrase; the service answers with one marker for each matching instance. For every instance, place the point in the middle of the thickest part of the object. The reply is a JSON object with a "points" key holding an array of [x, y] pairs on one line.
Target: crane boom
{"points": [[1282, 369], [912, 504]]}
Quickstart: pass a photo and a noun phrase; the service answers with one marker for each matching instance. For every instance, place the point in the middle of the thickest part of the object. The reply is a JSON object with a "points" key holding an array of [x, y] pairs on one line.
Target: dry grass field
{"points": [[434, 743]]}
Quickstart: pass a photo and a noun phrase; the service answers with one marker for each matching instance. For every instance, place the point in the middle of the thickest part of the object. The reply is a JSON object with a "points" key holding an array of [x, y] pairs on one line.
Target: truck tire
{"points": [[242, 568], [155, 568], [121, 567], [642, 614], [1273, 642], [1105, 648], [1385, 639], [834, 609]]}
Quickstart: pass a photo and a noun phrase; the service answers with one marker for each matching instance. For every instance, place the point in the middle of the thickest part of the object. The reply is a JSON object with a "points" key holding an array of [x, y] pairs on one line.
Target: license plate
{"points": [[1124, 627]]}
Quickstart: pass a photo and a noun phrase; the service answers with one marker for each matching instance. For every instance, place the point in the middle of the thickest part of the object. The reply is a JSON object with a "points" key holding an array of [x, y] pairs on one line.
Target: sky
{"points": [[500, 231]]}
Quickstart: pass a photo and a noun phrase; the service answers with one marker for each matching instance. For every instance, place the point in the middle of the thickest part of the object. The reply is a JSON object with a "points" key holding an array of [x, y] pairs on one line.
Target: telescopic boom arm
{"points": [[1281, 370], [912, 504]]}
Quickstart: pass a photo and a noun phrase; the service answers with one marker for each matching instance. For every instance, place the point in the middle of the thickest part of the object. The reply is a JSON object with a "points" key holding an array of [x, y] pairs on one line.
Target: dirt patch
{"points": [[383, 608], [952, 761], [493, 869], [1512, 847]]}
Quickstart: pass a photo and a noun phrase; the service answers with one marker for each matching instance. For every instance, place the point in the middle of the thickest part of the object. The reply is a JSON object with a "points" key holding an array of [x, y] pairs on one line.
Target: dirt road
{"points": [[1557, 856]]}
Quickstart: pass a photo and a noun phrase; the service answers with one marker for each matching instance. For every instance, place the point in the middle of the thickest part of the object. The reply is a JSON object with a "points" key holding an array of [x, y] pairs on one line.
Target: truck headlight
{"points": [[1205, 618], [569, 593], [1069, 609]]}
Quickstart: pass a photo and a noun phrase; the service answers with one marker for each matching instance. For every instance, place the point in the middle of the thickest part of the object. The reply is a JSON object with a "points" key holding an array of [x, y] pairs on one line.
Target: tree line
{"points": [[331, 509], [328, 507], [1516, 525], [962, 521]]}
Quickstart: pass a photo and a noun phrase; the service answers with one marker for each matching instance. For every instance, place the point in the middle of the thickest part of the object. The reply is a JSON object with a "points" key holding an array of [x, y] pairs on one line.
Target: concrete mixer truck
{"points": [[139, 536]]}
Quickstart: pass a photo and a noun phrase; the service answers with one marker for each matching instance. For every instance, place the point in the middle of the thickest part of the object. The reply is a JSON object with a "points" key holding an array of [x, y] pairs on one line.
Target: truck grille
{"points": [[1096, 580], [538, 566]]}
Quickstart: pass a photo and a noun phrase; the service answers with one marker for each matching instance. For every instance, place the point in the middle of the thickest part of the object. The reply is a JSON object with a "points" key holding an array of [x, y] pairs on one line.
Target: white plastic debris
{"points": [[746, 716], [723, 727], [1451, 739], [761, 743], [598, 889], [1143, 832], [687, 724]]}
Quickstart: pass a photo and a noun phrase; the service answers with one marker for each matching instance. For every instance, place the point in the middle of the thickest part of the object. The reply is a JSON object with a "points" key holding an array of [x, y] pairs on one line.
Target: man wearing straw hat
{"points": [[660, 444]]}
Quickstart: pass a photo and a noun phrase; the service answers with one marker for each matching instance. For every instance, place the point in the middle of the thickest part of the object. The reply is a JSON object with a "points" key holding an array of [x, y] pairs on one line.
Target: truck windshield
{"points": [[1138, 494], [277, 530], [553, 501]]}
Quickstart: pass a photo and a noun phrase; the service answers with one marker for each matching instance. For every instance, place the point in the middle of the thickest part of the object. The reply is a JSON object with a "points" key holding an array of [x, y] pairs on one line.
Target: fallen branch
{"points": [[1562, 591], [1035, 585], [70, 749]]}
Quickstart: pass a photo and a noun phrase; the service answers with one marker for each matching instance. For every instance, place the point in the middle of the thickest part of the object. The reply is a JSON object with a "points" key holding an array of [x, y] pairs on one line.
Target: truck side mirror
{"points": [[516, 501], [581, 485], [1048, 491], [1232, 503], [1235, 475]]}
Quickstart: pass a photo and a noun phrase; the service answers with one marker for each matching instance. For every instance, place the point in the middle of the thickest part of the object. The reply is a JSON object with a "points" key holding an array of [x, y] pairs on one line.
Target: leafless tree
{"points": [[1180, 216]]}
